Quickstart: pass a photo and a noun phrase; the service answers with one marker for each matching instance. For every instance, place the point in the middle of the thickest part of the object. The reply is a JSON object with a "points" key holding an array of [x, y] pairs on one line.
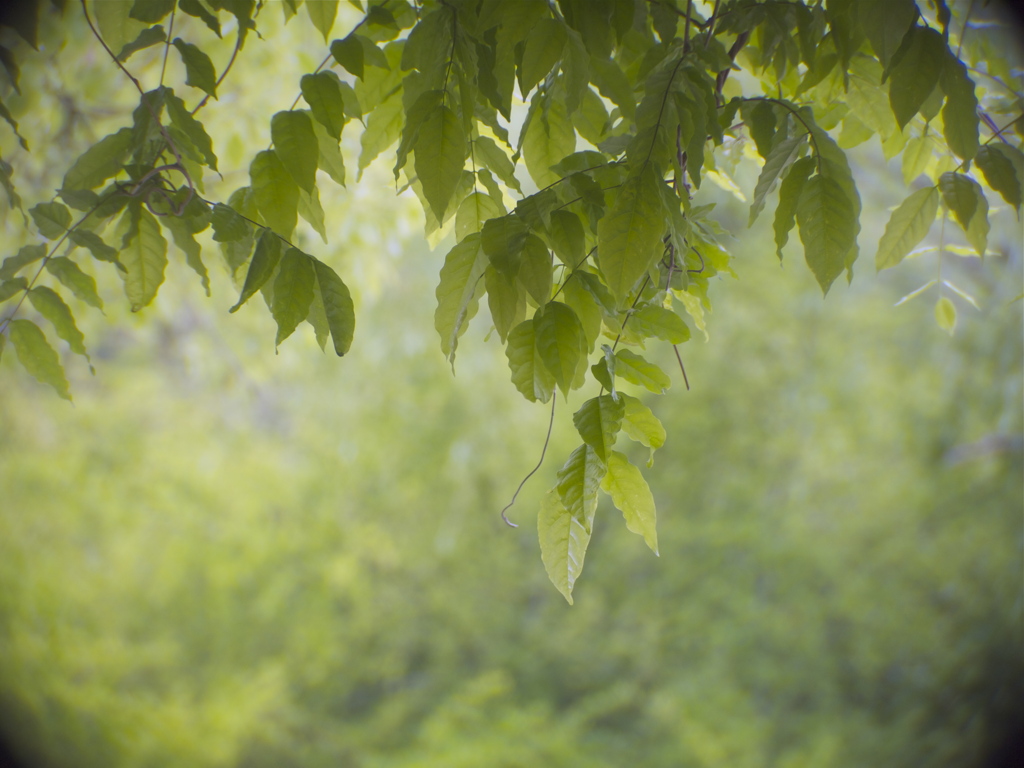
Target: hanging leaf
{"points": [[636, 370], [505, 300], [826, 217], [958, 192], [790, 190], [542, 51], [101, 161], [51, 306], [148, 37], [37, 356], [598, 422], [265, 259], [28, 254], [457, 294], [579, 480], [632, 496], [322, 91], [529, 374], [143, 255], [183, 120], [535, 270], [782, 154], [945, 315], [640, 424], [199, 71], [293, 292], [915, 72], [275, 192], [629, 235], [228, 225], [560, 341], [563, 543], [473, 212], [322, 13], [1002, 165], [885, 24], [661, 323], [441, 149], [337, 302], [960, 114], [74, 279], [296, 146], [502, 240], [907, 227], [548, 137]]}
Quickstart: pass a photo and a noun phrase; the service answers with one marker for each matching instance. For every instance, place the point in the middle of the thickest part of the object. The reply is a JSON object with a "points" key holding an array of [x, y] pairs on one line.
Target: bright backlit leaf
{"points": [[632, 496], [907, 227], [37, 356]]}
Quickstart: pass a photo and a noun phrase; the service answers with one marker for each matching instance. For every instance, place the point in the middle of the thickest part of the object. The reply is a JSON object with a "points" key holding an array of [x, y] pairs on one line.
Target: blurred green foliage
{"points": [[208, 564]]}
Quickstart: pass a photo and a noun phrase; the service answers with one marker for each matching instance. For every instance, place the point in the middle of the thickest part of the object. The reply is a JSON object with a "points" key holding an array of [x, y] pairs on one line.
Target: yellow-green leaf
{"points": [[37, 356], [560, 341], [945, 315], [632, 496], [629, 234], [907, 227], [143, 254], [275, 192], [598, 422], [827, 219], [337, 303], [529, 374], [563, 544]]}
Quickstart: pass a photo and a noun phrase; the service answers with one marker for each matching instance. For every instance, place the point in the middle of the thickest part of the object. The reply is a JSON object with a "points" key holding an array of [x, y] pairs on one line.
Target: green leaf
{"points": [[629, 235], [151, 11], [640, 424], [529, 374], [310, 209], [383, 128], [25, 256], [329, 160], [1002, 165], [661, 323], [827, 219], [632, 496], [457, 293], [567, 237], [885, 24], [598, 421], [143, 255], [148, 37], [322, 14], [296, 146], [958, 193], [502, 240], [495, 159], [535, 270], [94, 244], [52, 219], [199, 71], [441, 149], [275, 191], [74, 279], [337, 301], [907, 227], [265, 258], [916, 155], [322, 92], [293, 292], [945, 315], [473, 212], [916, 72], [960, 115], [636, 370], [560, 341], [578, 482], [228, 225], [977, 230], [51, 306], [563, 543], [542, 51], [37, 356], [780, 157], [349, 53], [197, 9], [183, 120], [548, 137], [505, 300], [12, 287], [101, 161]]}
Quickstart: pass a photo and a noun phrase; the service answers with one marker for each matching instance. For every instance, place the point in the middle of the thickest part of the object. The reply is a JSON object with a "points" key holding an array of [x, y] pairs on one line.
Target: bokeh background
{"points": [[219, 556]]}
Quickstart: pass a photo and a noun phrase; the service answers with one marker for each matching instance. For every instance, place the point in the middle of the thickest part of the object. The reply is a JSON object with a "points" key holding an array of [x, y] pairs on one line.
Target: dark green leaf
{"points": [[1003, 166], [264, 261], [275, 192], [529, 374], [147, 37], [322, 92], [12, 287], [960, 115], [196, 9], [535, 272], [505, 299], [502, 240], [542, 51], [37, 356], [183, 120], [293, 292], [560, 341], [782, 154], [598, 422], [916, 72], [441, 150], [959, 195], [199, 71], [629, 235], [322, 14], [885, 24], [94, 244], [827, 217], [296, 146], [789, 195], [151, 11], [337, 301], [227, 224]]}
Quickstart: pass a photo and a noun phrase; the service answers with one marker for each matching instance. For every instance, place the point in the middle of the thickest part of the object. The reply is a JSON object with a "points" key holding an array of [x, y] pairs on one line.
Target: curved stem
{"points": [[543, 452]]}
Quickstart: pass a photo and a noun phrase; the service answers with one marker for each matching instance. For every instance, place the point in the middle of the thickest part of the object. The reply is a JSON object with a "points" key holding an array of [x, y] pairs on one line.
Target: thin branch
{"points": [[167, 43], [543, 452], [106, 47]]}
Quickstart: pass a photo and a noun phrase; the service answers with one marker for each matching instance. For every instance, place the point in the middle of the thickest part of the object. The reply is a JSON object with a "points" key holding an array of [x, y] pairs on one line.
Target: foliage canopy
{"points": [[601, 248]]}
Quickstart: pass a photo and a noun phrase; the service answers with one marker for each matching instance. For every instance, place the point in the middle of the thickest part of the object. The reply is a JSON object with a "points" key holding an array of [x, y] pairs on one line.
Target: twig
{"points": [[544, 450]]}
